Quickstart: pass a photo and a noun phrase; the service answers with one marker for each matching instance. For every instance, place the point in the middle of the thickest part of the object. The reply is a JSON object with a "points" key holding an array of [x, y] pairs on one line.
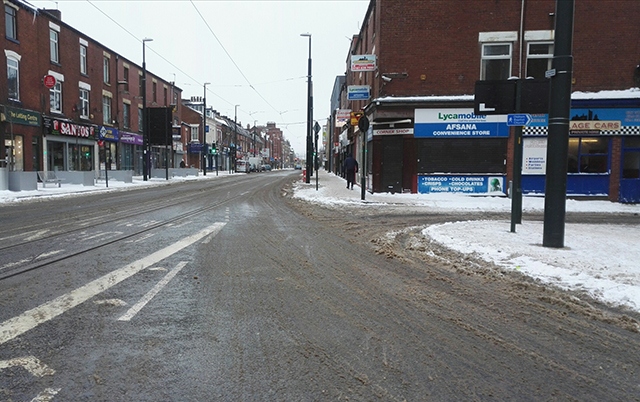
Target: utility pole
{"points": [[555, 194]]}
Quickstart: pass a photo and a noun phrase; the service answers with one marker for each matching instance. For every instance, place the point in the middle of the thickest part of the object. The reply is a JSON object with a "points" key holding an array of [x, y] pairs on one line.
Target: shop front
{"points": [[68, 146], [22, 133], [108, 148], [130, 152], [604, 152]]}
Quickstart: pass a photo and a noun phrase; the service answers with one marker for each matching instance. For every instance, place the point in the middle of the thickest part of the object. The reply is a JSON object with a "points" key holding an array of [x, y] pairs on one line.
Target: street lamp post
{"points": [[235, 139], [145, 118], [204, 129], [309, 116]]}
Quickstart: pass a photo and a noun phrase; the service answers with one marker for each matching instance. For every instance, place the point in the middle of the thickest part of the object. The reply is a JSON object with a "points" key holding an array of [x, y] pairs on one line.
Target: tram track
{"points": [[193, 196]]}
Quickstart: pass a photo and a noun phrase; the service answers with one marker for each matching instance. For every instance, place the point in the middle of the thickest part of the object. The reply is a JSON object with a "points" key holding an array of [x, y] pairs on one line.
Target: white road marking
{"points": [[150, 294], [30, 319], [111, 302], [46, 395], [37, 235], [49, 254], [157, 269], [29, 363], [141, 238]]}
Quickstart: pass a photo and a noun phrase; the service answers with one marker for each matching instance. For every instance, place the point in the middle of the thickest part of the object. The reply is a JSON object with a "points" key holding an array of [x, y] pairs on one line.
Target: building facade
{"points": [[424, 134], [70, 103]]}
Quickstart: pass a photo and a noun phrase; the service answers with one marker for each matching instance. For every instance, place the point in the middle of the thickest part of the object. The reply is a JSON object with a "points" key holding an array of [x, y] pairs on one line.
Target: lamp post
{"points": [[309, 116], [235, 139], [204, 129], [145, 121]]}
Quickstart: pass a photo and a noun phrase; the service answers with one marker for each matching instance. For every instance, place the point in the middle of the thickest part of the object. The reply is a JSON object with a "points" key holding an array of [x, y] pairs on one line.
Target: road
{"points": [[230, 290]]}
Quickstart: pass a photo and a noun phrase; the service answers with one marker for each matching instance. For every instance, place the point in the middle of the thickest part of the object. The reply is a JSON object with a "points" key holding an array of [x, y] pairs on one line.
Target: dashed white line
{"points": [[30, 319]]}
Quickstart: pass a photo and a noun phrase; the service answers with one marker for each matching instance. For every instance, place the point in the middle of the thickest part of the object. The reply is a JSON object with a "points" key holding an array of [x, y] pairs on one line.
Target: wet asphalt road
{"points": [[229, 290]]}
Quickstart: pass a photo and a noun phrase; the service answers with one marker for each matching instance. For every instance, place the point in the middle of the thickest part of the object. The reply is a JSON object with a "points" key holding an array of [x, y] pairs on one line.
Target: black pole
{"points": [[558, 137], [309, 118], [145, 126], [204, 129], [516, 189], [235, 140]]}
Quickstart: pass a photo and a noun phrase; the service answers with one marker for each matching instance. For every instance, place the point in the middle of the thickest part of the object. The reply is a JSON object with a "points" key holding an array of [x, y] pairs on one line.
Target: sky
{"points": [[250, 51], [611, 274]]}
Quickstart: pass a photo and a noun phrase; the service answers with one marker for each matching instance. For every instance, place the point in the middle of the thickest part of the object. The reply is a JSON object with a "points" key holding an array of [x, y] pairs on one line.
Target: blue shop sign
{"points": [[110, 134], [195, 148], [458, 123], [461, 184]]}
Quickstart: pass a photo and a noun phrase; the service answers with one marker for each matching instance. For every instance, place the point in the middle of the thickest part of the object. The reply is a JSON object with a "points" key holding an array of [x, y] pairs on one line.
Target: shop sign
{"points": [[461, 184], [342, 117], [195, 148], [63, 127], [358, 92], [108, 133], [363, 62], [458, 123], [393, 131], [130, 138], [595, 119], [22, 116], [597, 125]]}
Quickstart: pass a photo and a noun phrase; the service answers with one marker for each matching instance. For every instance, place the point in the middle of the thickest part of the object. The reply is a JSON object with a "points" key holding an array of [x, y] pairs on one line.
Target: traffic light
{"points": [[214, 149]]}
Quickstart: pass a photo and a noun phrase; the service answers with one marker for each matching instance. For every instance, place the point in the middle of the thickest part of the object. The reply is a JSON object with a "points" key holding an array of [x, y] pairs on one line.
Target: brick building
{"points": [[428, 57], [70, 103]]}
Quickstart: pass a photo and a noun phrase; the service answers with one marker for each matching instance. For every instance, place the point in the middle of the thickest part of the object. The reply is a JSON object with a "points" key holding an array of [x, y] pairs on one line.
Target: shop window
{"points": [[106, 110], [588, 155], [14, 153], [83, 59], [13, 77], [539, 57], [496, 61], [55, 97], [10, 22], [84, 103], [462, 155], [631, 158], [53, 45]]}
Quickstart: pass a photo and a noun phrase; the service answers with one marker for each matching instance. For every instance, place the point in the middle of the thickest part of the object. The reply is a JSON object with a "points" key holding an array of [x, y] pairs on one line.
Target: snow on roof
{"points": [[631, 93]]}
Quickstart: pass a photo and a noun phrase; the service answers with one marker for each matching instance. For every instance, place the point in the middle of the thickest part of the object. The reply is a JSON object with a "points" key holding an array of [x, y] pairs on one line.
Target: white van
{"points": [[242, 166]]}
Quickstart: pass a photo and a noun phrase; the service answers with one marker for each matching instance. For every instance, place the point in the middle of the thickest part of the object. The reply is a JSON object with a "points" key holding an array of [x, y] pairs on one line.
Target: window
{"points": [[588, 155], [55, 97], [631, 158], [154, 93], [126, 115], [106, 109], [13, 77], [84, 103], [83, 59], [10, 22], [140, 85], [194, 134], [166, 96], [53, 45], [125, 78], [105, 69], [496, 61], [539, 57], [140, 123]]}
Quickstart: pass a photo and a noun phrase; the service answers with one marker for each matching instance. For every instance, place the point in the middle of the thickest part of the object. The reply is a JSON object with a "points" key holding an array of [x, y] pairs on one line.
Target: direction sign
{"points": [[518, 119]]}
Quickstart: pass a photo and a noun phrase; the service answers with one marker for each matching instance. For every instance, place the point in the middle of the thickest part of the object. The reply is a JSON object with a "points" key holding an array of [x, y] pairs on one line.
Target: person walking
{"points": [[350, 168]]}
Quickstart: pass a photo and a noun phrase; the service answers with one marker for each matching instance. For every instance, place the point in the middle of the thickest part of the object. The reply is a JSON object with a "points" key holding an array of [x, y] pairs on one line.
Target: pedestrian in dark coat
{"points": [[350, 168]]}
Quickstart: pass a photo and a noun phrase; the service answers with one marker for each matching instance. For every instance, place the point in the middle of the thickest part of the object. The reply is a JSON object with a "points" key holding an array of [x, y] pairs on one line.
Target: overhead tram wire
{"points": [[158, 54], [231, 58]]}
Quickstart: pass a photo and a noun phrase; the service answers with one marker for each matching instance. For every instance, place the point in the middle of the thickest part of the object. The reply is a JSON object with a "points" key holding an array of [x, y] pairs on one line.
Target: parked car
{"points": [[266, 168], [298, 167]]}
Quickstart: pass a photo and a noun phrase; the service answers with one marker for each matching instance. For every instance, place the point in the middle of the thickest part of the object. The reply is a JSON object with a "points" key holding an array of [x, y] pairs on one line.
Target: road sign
{"points": [[363, 123], [518, 119]]}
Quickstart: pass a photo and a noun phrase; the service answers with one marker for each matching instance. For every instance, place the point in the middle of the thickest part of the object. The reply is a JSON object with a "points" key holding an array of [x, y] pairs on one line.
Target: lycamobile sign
{"points": [[456, 123]]}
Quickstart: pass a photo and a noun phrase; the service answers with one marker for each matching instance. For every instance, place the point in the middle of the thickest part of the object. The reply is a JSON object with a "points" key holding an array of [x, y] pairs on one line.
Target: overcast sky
{"points": [[250, 51]]}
